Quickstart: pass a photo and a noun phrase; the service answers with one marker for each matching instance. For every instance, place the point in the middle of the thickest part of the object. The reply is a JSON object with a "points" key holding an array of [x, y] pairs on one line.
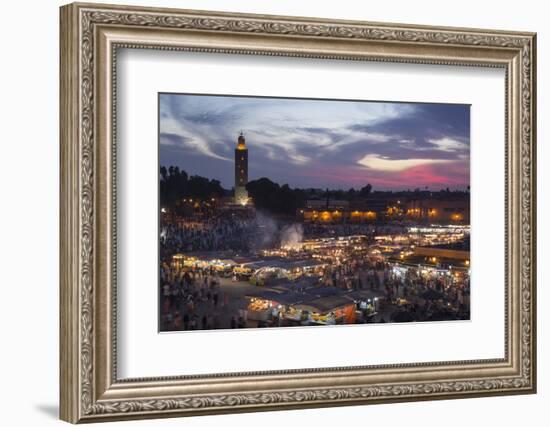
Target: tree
{"points": [[264, 193], [176, 185], [274, 198], [365, 191]]}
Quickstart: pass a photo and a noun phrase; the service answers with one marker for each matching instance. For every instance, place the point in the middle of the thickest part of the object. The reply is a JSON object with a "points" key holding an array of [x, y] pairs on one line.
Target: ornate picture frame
{"points": [[90, 37]]}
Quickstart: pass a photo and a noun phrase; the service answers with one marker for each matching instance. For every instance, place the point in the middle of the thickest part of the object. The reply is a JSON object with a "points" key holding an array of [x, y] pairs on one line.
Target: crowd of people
{"points": [[193, 298], [213, 234], [426, 292]]}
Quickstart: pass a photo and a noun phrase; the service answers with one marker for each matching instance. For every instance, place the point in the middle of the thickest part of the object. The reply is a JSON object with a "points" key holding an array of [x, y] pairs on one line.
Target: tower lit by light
{"points": [[241, 171]]}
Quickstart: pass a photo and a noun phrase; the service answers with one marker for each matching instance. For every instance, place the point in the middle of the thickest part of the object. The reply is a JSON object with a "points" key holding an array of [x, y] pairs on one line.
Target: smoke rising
{"points": [[292, 236], [268, 229], [271, 233]]}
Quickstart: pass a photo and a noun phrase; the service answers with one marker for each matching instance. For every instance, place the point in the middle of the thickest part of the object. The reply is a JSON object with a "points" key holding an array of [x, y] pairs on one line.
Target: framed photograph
{"points": [[267, 212]]}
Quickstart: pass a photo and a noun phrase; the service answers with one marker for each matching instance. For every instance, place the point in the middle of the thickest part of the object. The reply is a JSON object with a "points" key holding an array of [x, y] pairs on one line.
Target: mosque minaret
{"points": [[241, 171]]}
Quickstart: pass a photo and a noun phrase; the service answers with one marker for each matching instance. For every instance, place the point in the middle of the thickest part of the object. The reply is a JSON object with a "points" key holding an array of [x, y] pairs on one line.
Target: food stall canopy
{"points": [[307, 281], [286, 298], [323, 291], [283, 264], [324, 304], [294, 285], [362, 294]]}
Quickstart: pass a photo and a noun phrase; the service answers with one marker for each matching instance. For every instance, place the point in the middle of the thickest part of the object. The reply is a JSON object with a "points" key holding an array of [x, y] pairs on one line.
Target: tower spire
{"points": [[241, 143], [241, 171]]}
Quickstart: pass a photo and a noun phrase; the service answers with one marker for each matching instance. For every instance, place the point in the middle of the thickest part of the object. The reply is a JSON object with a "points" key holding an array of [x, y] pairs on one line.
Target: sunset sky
{"points": [[318, 143]]}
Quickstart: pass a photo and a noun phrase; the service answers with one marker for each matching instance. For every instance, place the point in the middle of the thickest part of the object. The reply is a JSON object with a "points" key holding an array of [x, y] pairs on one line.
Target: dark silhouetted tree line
{"points": [[277, 199], [176, 185], [281, 199]]}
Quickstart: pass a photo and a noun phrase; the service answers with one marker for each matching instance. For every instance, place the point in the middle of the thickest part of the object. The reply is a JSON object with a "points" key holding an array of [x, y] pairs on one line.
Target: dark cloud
{"points": [[173, 138], [316, 143], [430, 121]]}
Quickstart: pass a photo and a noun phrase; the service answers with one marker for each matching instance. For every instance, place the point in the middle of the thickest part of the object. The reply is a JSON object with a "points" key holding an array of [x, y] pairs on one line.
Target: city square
{"points": [[267, 255]]}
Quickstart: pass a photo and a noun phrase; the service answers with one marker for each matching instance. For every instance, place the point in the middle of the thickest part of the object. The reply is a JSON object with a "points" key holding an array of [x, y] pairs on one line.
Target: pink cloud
{"points": [[433, 176]]}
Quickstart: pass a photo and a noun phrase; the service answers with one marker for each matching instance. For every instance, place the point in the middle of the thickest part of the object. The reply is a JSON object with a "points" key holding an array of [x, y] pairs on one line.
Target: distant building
{"points": [[368, 209], [336, 211], [448, 211], [327, 203], [437, 210], [323, 210], [241, 172]]}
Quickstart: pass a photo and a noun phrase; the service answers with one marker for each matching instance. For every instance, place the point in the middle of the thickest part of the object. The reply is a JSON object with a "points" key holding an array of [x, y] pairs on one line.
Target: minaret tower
{"points": [[241, 171]]}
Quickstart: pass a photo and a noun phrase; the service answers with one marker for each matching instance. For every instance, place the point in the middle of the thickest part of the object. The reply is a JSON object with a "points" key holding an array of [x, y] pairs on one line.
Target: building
{"points": [[241, 172], [324, 211], [439, 211], [367, 209], [359, 210], [336, 211]]}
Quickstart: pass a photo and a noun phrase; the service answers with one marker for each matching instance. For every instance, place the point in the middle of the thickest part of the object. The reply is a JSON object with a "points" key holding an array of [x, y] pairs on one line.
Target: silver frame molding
{"points": [[90, 37]]}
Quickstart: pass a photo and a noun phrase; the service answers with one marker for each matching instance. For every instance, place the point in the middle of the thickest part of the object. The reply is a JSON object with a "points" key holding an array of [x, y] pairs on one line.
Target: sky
{"points": [[310, 143]]}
